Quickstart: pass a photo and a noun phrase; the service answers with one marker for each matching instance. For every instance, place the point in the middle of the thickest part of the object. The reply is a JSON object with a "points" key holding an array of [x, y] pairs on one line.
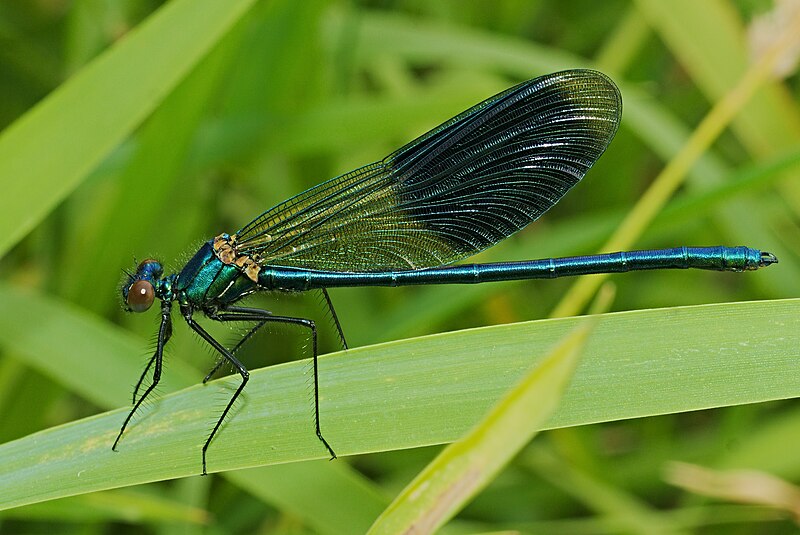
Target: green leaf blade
{"points": [[423, 391], [46, 153]]}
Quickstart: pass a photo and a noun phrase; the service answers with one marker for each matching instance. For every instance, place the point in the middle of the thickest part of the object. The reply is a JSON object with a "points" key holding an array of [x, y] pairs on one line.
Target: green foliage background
{"points": [[226, 108]]}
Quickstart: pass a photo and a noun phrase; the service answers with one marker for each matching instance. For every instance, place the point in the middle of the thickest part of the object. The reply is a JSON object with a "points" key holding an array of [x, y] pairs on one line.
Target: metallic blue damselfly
{"points": [[462, 187]]}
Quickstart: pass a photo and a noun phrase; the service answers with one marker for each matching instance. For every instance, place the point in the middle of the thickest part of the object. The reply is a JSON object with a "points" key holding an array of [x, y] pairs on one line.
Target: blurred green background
{"points": [[293, 93]]}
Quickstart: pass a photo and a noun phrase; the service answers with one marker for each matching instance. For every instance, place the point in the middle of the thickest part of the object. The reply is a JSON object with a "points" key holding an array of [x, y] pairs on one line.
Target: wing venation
{"points": [[462, 187]]}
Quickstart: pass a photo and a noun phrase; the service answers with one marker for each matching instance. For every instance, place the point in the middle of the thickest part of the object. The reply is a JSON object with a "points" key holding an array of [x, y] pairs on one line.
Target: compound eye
{"points": [[140, 296]]}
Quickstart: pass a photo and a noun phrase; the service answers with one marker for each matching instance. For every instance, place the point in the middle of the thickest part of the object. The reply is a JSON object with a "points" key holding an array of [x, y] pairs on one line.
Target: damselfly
{"points": [[462, 187]]}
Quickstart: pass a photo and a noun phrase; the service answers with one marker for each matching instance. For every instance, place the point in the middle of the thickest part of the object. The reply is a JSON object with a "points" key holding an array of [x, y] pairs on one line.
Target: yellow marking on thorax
{"points": [[225, 249]]}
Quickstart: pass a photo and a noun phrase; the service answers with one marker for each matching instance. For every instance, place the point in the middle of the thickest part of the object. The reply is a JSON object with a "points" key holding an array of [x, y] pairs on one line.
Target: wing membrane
{"points": [[460, 188]]}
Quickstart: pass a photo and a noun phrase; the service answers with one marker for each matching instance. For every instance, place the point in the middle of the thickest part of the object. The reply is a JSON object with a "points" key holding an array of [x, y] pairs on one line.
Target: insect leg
{"points": [[167, 335], [187, 315], [233, 313], [335, 317], [164, 333], [239, 344]]}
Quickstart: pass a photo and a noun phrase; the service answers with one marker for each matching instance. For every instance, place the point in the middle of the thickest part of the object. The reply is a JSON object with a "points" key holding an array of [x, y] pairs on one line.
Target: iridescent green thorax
{"points": [[207, 281]]}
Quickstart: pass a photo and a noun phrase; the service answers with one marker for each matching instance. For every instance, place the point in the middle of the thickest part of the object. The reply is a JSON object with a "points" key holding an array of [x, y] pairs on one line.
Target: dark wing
{"points": [[456, 190]]}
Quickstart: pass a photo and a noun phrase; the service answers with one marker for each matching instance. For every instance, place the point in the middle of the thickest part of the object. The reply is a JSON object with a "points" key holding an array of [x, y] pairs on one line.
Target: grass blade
{"points": [[469, 464], [52, 148], [422, 391]]}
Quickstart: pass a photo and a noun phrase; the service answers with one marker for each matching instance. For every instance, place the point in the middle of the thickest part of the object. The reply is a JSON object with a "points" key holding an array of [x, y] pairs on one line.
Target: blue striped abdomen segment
{"points": [[711, 258]]}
